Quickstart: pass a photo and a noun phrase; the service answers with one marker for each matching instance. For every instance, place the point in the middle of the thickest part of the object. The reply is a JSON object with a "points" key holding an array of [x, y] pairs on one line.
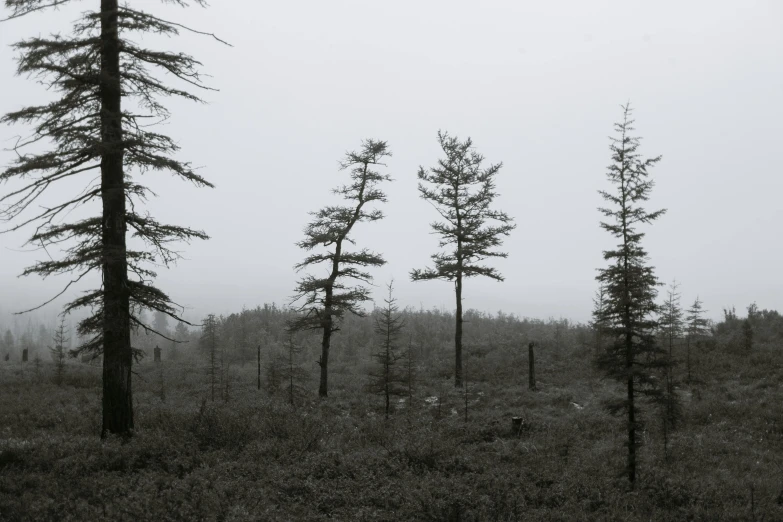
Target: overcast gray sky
{"points": [[537, 85]]}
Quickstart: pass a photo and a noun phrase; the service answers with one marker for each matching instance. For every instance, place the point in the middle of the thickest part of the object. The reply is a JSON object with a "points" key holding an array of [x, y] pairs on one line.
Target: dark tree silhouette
{"points": [[747, 335], [291, 373], [462, 192], [100, 124], [672, 328], [209, 343], [388, 378], [632, 355], [599, 308], [325, 300], [696, 331], [59, 352]]}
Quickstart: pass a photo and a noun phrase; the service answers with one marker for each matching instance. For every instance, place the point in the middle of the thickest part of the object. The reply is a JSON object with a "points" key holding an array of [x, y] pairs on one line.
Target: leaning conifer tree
{"points": [[632, 355], [325, 300], [462, 191], [98, 131]]}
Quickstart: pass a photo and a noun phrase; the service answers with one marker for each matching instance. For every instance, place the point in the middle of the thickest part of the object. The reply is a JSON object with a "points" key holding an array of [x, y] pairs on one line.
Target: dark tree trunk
{"points": [[531, 367], [387, 397], [631, 412], [117, 355], [259, 367], [157, 354], [458, 335], [324, 360], [466, 393], [688, 361], [291, 375], [24, 355]]}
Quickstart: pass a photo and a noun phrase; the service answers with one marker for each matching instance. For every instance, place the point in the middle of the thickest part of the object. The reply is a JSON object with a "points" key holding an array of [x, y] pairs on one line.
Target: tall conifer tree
{"points": [[323, 301], [100, 124], [462, 192], [632, 355]]}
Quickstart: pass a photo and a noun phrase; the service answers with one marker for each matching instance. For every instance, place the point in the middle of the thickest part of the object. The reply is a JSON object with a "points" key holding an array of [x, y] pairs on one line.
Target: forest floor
{"points": [[254, 457]]}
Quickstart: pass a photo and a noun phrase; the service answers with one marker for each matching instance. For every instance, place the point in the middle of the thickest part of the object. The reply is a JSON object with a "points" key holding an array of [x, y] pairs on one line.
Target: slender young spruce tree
{"points": [[291, 373], [388, 377], [323, 301], [209, 343], [697, 330], [59, 352], [462, 191], [598, 314], [631, 355], [671, 326], [99, 131]]}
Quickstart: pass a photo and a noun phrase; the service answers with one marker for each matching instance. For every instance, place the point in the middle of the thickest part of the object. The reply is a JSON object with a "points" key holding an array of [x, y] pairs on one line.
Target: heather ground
{"points": [[256, 458]]}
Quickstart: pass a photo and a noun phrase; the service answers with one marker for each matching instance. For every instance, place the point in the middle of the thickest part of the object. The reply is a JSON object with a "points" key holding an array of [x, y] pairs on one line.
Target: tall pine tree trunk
{"points": [[325, 344], [117, 355], [631, 412], [458, 335]]}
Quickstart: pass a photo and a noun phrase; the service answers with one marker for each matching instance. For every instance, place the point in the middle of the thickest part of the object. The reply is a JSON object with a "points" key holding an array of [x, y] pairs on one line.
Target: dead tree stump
{"points": [[157, 354], [516, 426]]}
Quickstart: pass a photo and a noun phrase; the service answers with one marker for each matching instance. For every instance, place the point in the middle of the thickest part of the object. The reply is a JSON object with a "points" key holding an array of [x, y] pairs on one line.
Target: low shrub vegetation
{"points": [[256, 457]]}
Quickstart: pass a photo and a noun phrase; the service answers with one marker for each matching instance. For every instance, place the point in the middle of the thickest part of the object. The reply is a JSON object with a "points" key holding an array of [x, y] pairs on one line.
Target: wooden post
{"points": [[157, 354], [531, 360]]}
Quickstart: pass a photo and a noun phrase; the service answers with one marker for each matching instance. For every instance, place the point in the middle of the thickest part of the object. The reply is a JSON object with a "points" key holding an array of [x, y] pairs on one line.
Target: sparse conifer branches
{"points": [[696, 331], [462, 190], [292, 375], [209, 344], [747, 335], [671, 326], [632, 355], [323, 301], [98, 130], [389, 378], [59, 352], [671, 321], [599, 320]]}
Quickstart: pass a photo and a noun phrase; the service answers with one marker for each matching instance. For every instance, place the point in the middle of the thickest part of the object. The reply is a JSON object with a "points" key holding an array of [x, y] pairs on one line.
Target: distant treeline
{"points": [[429, 333]]}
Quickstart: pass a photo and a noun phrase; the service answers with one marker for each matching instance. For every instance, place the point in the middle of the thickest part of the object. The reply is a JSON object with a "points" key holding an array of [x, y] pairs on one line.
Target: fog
{"points": [[536, 85]]}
